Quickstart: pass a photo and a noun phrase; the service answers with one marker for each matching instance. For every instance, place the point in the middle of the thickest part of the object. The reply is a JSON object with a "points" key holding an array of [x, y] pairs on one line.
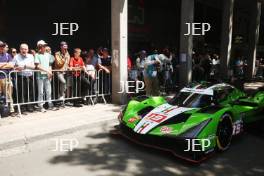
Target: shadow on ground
{"points": [[117, 156]]}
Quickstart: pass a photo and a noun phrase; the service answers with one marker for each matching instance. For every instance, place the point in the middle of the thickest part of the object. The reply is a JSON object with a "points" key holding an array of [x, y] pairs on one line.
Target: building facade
{"points": [[237, 28]]}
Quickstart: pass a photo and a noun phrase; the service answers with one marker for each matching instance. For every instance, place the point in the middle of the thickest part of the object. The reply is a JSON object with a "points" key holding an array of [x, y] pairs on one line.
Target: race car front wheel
{"points": [[224, 132]]}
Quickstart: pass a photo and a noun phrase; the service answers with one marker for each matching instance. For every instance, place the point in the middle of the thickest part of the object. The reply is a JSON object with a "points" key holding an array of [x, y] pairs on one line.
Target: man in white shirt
{"points": [[166, 68], [23, 62]]}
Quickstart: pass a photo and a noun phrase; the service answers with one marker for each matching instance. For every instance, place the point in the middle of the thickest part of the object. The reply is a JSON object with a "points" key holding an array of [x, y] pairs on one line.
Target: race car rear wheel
{"points": [[224, 132]]}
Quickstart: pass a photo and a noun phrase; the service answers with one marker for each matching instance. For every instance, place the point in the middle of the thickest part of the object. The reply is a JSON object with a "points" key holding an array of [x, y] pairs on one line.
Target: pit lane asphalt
{"points": [[102, 154]]}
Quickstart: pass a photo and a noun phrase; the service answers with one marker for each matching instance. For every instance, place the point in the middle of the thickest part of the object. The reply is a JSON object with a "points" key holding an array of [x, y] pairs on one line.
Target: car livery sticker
{"points": [[238, 127], [165, 130], [133, 119], [158, 115]]}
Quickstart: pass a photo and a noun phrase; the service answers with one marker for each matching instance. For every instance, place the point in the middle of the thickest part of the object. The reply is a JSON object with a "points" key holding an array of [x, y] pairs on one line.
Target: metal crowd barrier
{"points": [[26, 92], [104, 85]]}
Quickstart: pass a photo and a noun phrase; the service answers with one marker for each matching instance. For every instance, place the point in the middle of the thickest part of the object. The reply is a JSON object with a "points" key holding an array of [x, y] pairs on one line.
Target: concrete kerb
{"points": [[27, 140]]}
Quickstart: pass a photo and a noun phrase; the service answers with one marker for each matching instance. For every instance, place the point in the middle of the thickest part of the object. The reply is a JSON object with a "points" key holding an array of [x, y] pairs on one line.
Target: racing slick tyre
{"points": [[224, 132]]}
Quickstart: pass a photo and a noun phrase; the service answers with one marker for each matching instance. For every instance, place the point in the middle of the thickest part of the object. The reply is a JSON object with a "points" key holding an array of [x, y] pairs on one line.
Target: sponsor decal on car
{"points": [[145, 125], [238, 127], [165, 130], [132, 119], [157, 116]]}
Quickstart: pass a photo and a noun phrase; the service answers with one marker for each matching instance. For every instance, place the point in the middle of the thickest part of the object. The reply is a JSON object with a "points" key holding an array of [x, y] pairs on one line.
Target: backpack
{"points": [[4, 109]]}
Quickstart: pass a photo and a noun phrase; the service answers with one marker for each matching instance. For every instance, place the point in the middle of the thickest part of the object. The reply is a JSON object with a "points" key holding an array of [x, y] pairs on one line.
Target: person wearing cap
{"points": [[45, 60], [62, 59], [6, 65]]}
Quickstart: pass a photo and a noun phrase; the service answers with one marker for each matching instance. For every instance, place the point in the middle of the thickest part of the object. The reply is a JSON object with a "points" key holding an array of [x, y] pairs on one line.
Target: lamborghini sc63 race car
{"points": [[195, 123]]}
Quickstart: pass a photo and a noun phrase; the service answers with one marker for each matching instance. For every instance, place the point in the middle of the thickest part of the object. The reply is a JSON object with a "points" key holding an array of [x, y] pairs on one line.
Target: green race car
{"points": [[195, 123]]}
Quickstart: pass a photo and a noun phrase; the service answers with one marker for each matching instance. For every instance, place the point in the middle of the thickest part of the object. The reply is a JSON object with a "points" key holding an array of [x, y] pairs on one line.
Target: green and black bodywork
{"points": [[195, 123]]}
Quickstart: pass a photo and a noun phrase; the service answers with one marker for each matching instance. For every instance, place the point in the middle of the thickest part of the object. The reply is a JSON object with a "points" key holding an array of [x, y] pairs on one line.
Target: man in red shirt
{"points": [[77, 65]]}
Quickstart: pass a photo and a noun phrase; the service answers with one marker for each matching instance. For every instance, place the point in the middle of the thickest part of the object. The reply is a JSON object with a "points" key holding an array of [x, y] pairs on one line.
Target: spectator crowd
{"points": [[40, 68], [160, 69], [75, 74]]}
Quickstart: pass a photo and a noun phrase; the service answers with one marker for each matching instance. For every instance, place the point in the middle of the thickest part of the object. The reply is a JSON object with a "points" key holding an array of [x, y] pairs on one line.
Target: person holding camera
{"points": [[152, 63]]}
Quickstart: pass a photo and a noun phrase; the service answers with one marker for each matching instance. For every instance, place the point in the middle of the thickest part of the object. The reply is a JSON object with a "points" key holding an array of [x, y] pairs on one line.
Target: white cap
{"points": [[41, 42]]}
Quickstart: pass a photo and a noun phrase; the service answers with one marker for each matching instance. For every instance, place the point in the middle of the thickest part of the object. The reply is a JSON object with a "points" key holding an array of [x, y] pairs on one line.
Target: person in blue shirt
{"points": [[151, 66]]}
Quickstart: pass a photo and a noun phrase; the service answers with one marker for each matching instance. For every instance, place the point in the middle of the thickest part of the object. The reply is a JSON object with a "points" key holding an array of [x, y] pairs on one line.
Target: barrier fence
{"points": [[27, 87], [21, 88]]}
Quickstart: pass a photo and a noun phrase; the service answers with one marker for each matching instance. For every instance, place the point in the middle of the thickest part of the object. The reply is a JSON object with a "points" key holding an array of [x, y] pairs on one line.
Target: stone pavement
{"points": [[36, 126]]}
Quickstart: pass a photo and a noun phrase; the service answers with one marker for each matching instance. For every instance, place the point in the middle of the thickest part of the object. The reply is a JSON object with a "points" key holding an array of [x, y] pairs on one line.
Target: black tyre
{"points": [[224, 132]]}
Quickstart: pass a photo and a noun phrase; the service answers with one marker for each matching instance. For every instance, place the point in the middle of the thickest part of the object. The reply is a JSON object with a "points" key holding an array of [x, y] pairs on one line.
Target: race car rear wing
{"points": [[198, 91]]}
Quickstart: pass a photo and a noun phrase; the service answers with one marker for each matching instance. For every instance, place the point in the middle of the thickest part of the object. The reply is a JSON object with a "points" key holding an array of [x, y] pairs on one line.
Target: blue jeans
{"points": [[44, 85]]}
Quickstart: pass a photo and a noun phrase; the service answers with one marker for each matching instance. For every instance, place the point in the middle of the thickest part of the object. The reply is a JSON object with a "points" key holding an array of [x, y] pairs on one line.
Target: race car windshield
{"points": [[191, 100]]}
